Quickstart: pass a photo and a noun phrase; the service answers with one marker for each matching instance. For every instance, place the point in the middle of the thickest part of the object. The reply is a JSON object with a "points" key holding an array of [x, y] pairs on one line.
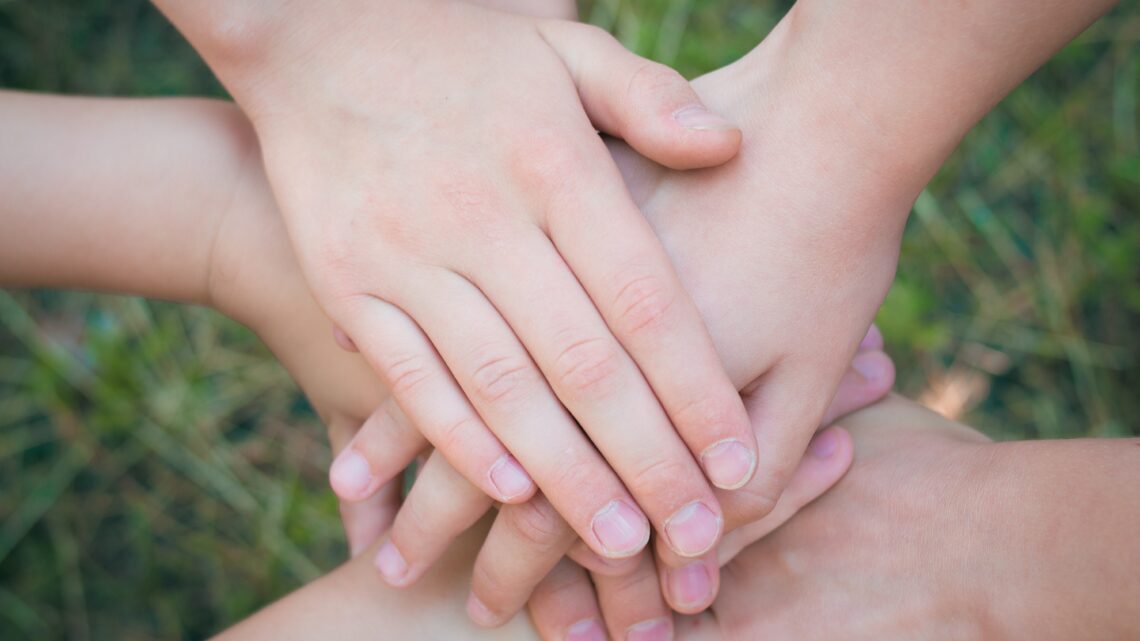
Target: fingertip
{"points": [[873, 340], [690, 588], [833, 447], [479, 613], [351, 476], [878, 370], [697, 117], [729, 464], [391, 564], [510, 481], [684, 148]]}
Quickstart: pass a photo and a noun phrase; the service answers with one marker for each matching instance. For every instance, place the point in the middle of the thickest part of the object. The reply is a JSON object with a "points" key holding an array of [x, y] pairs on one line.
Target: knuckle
{"points": [[588, 368], [537, 525], [546, 160], [476, 209], [456, 436], [707, 414], [650, 78], [643, 304], [652, 477], [499, 379], [407, 373]]}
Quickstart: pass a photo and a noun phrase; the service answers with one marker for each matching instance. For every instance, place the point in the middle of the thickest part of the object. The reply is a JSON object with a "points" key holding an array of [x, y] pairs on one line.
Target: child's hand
{"points": [[459, 218], [527, 540]]}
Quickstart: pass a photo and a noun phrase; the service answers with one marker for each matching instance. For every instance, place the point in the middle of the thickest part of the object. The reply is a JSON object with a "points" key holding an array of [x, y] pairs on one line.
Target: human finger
{"points": [[607, 393], [632, 605], [441, 505], [564, 606], [379, 451], [513, 396], [525, 542], [430, 398], [647, 104]]}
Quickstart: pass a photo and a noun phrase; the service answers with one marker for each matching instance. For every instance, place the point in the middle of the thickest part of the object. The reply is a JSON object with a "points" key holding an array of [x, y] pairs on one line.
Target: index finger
{"points": [[620, 262]]}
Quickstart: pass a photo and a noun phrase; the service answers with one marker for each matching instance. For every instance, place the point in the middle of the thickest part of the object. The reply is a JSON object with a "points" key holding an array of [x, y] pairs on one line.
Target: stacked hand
{"points": [[460, 220], [501, 280]]}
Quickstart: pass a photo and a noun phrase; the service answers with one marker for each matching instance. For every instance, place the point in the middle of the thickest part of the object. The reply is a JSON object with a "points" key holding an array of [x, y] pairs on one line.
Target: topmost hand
{"points": [[457, 215]]}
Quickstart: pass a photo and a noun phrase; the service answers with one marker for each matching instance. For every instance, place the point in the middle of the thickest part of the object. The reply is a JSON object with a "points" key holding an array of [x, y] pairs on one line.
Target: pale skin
{"points": [[201, 173], [820, 191], [841, 132], [832, 115], [934, 533], [167, 199], [459, 219]]}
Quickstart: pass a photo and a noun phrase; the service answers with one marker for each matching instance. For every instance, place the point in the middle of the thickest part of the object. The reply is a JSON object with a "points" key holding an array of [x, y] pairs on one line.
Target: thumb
{"points": [[645, 103]]}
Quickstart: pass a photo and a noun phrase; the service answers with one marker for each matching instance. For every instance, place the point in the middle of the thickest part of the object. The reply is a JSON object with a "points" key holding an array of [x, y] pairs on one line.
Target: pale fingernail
{"points": [[620, 529], [690, 585], [509, 478], [651, 630], [480, 613], [873, 339], [693, 529], [824, 444], [870, 365], [728, 464], [350, 475], [391, 564], [698, 118], [586, 630]]}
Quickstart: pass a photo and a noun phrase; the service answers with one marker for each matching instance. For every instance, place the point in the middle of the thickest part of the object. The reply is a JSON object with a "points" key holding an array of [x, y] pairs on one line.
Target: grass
{"points": [[164, 478]]}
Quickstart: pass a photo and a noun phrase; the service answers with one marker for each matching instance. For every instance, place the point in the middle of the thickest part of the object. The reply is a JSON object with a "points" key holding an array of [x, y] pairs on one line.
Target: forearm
{"points": [[913, 77], [353, 603], [115, 195], [1069, 511]]}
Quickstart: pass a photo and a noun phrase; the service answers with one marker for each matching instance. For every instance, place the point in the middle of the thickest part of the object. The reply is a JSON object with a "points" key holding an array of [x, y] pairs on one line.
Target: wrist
{"points": [[252, 275], [788, 94]]}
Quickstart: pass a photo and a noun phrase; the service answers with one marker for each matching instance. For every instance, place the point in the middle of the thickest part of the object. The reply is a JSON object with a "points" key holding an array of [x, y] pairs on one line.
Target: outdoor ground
{"points": [[162, 477]]}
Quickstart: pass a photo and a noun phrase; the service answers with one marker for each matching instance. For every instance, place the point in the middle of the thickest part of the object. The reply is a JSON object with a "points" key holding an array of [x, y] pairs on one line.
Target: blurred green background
{"points": [[163, 478]]}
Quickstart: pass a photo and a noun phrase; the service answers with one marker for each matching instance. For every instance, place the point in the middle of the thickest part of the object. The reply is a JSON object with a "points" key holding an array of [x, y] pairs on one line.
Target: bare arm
{"points": [[115, 195], [958, 536]]}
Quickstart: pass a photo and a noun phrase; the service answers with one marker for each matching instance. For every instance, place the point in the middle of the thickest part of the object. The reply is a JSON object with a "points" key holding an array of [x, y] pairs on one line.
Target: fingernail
{"points": [[698, 118], [869, 365], [872, 339], [690, 585], [824, 444], [728, 464], [509, 478], [586, 630], [391, 564], [620, 529], [351, 475], [651, 630], [693, 529], [480, 613]]}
